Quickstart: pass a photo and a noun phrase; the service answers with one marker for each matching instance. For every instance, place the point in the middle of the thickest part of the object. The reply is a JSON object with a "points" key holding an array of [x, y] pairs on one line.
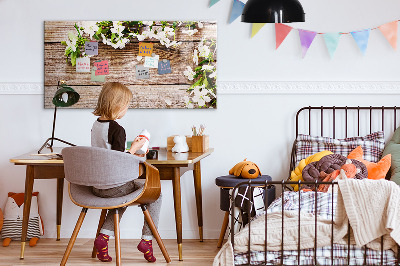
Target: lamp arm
{"points": [[54, 126]]}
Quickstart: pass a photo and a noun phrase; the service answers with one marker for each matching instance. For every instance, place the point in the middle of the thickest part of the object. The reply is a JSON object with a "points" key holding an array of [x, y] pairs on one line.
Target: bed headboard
{"points": [[344, 121]]}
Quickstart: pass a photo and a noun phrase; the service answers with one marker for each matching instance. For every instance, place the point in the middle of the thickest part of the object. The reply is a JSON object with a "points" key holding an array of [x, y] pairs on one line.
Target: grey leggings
{"points": [[154, 208]]}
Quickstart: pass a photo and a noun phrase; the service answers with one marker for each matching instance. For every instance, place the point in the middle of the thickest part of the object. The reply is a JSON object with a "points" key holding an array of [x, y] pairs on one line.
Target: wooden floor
{"points": [[50, 252]]}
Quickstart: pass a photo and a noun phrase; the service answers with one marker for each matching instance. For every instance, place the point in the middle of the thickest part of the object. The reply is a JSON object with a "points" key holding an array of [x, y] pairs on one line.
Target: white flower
{"points": [[213, 75], [147, 23], [204, 51], [141, 37], [200, 95], [190, 32], [71, 41], [207, 67], [168, 101], [195, 57], [170, 31], [174, 43], [89, 27], [139, 57], [187, 102], [200, 25], [189, 73], [117, 28]]}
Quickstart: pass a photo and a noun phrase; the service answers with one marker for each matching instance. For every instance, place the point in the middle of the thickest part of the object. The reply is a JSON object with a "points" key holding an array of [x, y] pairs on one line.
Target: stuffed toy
{"points": [[180, 144], [13, 215], [245, 169], [296, 174], [375, 170]]}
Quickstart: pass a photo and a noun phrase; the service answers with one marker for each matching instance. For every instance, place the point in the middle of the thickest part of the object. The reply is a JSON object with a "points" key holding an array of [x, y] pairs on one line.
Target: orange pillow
{"points": [[375, 170]]}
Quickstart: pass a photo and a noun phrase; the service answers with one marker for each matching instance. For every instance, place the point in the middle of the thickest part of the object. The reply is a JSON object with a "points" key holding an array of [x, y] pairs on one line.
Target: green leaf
{"points": [[112, 37], [64, 43], [98, 31], [73, 58], [197, 68]]}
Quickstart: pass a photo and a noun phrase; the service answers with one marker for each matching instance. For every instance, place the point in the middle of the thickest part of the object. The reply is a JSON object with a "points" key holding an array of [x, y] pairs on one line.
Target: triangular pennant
{"points": [[306, 39], [237, 8], [361, 37], [213, 2], [281, 31], [389, 30], [332, 41], [255, 28]]}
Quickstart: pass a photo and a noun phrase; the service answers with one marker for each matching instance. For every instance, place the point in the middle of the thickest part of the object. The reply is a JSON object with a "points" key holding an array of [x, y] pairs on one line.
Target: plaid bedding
{"points": [[372, 145], [322, 207]]}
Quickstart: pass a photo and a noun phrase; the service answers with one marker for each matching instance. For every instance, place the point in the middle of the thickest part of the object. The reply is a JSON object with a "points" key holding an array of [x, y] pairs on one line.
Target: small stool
{"points": [[226, 183]]}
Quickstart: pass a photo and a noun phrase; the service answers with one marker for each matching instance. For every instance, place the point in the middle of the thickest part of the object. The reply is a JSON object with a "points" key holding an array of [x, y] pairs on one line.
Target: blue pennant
{"points": [[213, 2], [361, 38], [237, 8]]}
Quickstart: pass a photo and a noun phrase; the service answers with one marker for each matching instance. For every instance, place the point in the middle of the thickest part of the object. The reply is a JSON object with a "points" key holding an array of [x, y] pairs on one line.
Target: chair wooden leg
{"points": [[73, 237], [154, 230], [101, 222], [117, 239], [223, 229]]}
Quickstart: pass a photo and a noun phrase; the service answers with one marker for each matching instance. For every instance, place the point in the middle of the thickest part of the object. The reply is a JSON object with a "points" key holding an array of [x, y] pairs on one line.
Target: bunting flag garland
{"points": [[281, 31], [306, 39], [237, 8], [213, 2], [389, 30], [361, 37], [255, 28], [332, 41]]}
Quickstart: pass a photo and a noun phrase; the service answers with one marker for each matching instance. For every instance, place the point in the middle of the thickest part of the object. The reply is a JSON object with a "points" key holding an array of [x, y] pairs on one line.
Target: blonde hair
{"points": [[113, 97]]}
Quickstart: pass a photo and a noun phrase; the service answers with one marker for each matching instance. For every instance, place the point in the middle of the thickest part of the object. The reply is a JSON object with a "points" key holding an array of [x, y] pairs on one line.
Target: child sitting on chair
{"points": [[106, 133]]}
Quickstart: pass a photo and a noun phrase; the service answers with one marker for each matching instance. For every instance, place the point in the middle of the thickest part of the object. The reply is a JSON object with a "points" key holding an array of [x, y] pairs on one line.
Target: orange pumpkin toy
{"points": [[245, 169]]}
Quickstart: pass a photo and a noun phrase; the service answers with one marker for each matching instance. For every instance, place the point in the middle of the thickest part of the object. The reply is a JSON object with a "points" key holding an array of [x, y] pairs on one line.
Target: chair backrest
{"points": [[92, 166]]}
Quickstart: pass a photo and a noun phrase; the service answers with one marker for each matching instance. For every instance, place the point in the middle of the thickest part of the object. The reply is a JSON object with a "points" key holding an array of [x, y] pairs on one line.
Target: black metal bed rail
{"points": [[346, 124], [264, 185]]}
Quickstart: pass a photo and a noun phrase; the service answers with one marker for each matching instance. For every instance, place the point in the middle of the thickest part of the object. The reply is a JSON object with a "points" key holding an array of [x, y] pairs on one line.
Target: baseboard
{"points": [[259, 87]]}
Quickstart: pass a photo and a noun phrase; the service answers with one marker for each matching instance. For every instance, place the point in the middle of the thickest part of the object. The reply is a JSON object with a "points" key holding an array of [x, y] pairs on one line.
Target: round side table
{"points": [[228, 182]]}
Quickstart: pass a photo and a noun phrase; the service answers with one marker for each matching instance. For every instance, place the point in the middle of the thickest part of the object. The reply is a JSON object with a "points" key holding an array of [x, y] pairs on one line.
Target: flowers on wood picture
{"points": [[166, 64]]}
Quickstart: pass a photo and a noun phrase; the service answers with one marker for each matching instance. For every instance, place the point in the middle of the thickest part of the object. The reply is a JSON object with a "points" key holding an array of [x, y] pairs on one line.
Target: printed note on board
{"points": [[102, 67], [142, 72], [91, 48], [83, 64], [145, 49], [152, 61], [164, 67], [99, 78]]}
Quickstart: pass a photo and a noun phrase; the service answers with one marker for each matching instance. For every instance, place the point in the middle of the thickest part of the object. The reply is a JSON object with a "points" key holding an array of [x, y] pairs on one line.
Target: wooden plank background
{"points": [[150, 93]]}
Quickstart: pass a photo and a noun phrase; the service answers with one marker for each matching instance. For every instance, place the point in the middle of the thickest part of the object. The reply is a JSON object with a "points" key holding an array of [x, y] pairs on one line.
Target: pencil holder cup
{"points": [[200, 143]]}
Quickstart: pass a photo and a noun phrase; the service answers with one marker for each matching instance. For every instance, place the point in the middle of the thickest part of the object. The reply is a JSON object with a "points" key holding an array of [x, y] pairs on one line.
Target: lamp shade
{"points": [[65, 96], [273, 11]]}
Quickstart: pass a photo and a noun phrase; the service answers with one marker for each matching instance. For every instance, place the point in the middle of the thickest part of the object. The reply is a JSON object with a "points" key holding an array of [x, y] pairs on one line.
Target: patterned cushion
{"points": [[372, 144]]}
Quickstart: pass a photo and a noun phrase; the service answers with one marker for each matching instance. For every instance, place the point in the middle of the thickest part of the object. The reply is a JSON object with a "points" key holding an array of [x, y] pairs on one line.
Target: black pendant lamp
{"points": [[273, 11]]}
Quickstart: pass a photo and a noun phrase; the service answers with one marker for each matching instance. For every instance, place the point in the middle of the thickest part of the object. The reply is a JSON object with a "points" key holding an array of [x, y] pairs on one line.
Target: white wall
{"points": [[259, 127]]}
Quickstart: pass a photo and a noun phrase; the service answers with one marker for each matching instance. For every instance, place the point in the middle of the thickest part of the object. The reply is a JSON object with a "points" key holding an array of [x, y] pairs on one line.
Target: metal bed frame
{"points": [[283, 184]]}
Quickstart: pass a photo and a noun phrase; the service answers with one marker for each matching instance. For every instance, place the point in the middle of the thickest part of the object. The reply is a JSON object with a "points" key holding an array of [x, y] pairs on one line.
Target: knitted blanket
{"points": [[371, 207]]}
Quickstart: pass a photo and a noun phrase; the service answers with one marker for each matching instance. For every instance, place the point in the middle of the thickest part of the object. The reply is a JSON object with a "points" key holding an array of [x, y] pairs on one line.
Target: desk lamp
{"points": [[65, 96], [273, 11]]}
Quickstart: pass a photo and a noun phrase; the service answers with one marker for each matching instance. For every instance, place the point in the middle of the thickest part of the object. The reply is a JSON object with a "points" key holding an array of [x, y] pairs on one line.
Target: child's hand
{"points": [[137, 144], [143, 155]]}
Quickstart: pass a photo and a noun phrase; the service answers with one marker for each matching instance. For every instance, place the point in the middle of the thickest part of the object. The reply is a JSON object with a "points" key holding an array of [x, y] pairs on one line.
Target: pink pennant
{"points": [[281, 31], [389, 30], [306, 39]]}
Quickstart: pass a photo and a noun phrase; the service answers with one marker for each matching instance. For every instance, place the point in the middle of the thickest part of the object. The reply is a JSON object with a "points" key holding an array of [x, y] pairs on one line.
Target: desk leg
{"points": [[199, 204], [27, 206], [60, 190], [176, 182]]}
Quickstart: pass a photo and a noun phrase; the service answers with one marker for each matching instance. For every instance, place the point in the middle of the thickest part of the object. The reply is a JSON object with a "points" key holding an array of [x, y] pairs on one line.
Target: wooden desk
{"points": [[171, 167]]}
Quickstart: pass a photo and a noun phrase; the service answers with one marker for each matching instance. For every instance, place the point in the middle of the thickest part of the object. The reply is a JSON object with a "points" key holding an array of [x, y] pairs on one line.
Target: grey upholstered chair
{"points": [[85, 167]]}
